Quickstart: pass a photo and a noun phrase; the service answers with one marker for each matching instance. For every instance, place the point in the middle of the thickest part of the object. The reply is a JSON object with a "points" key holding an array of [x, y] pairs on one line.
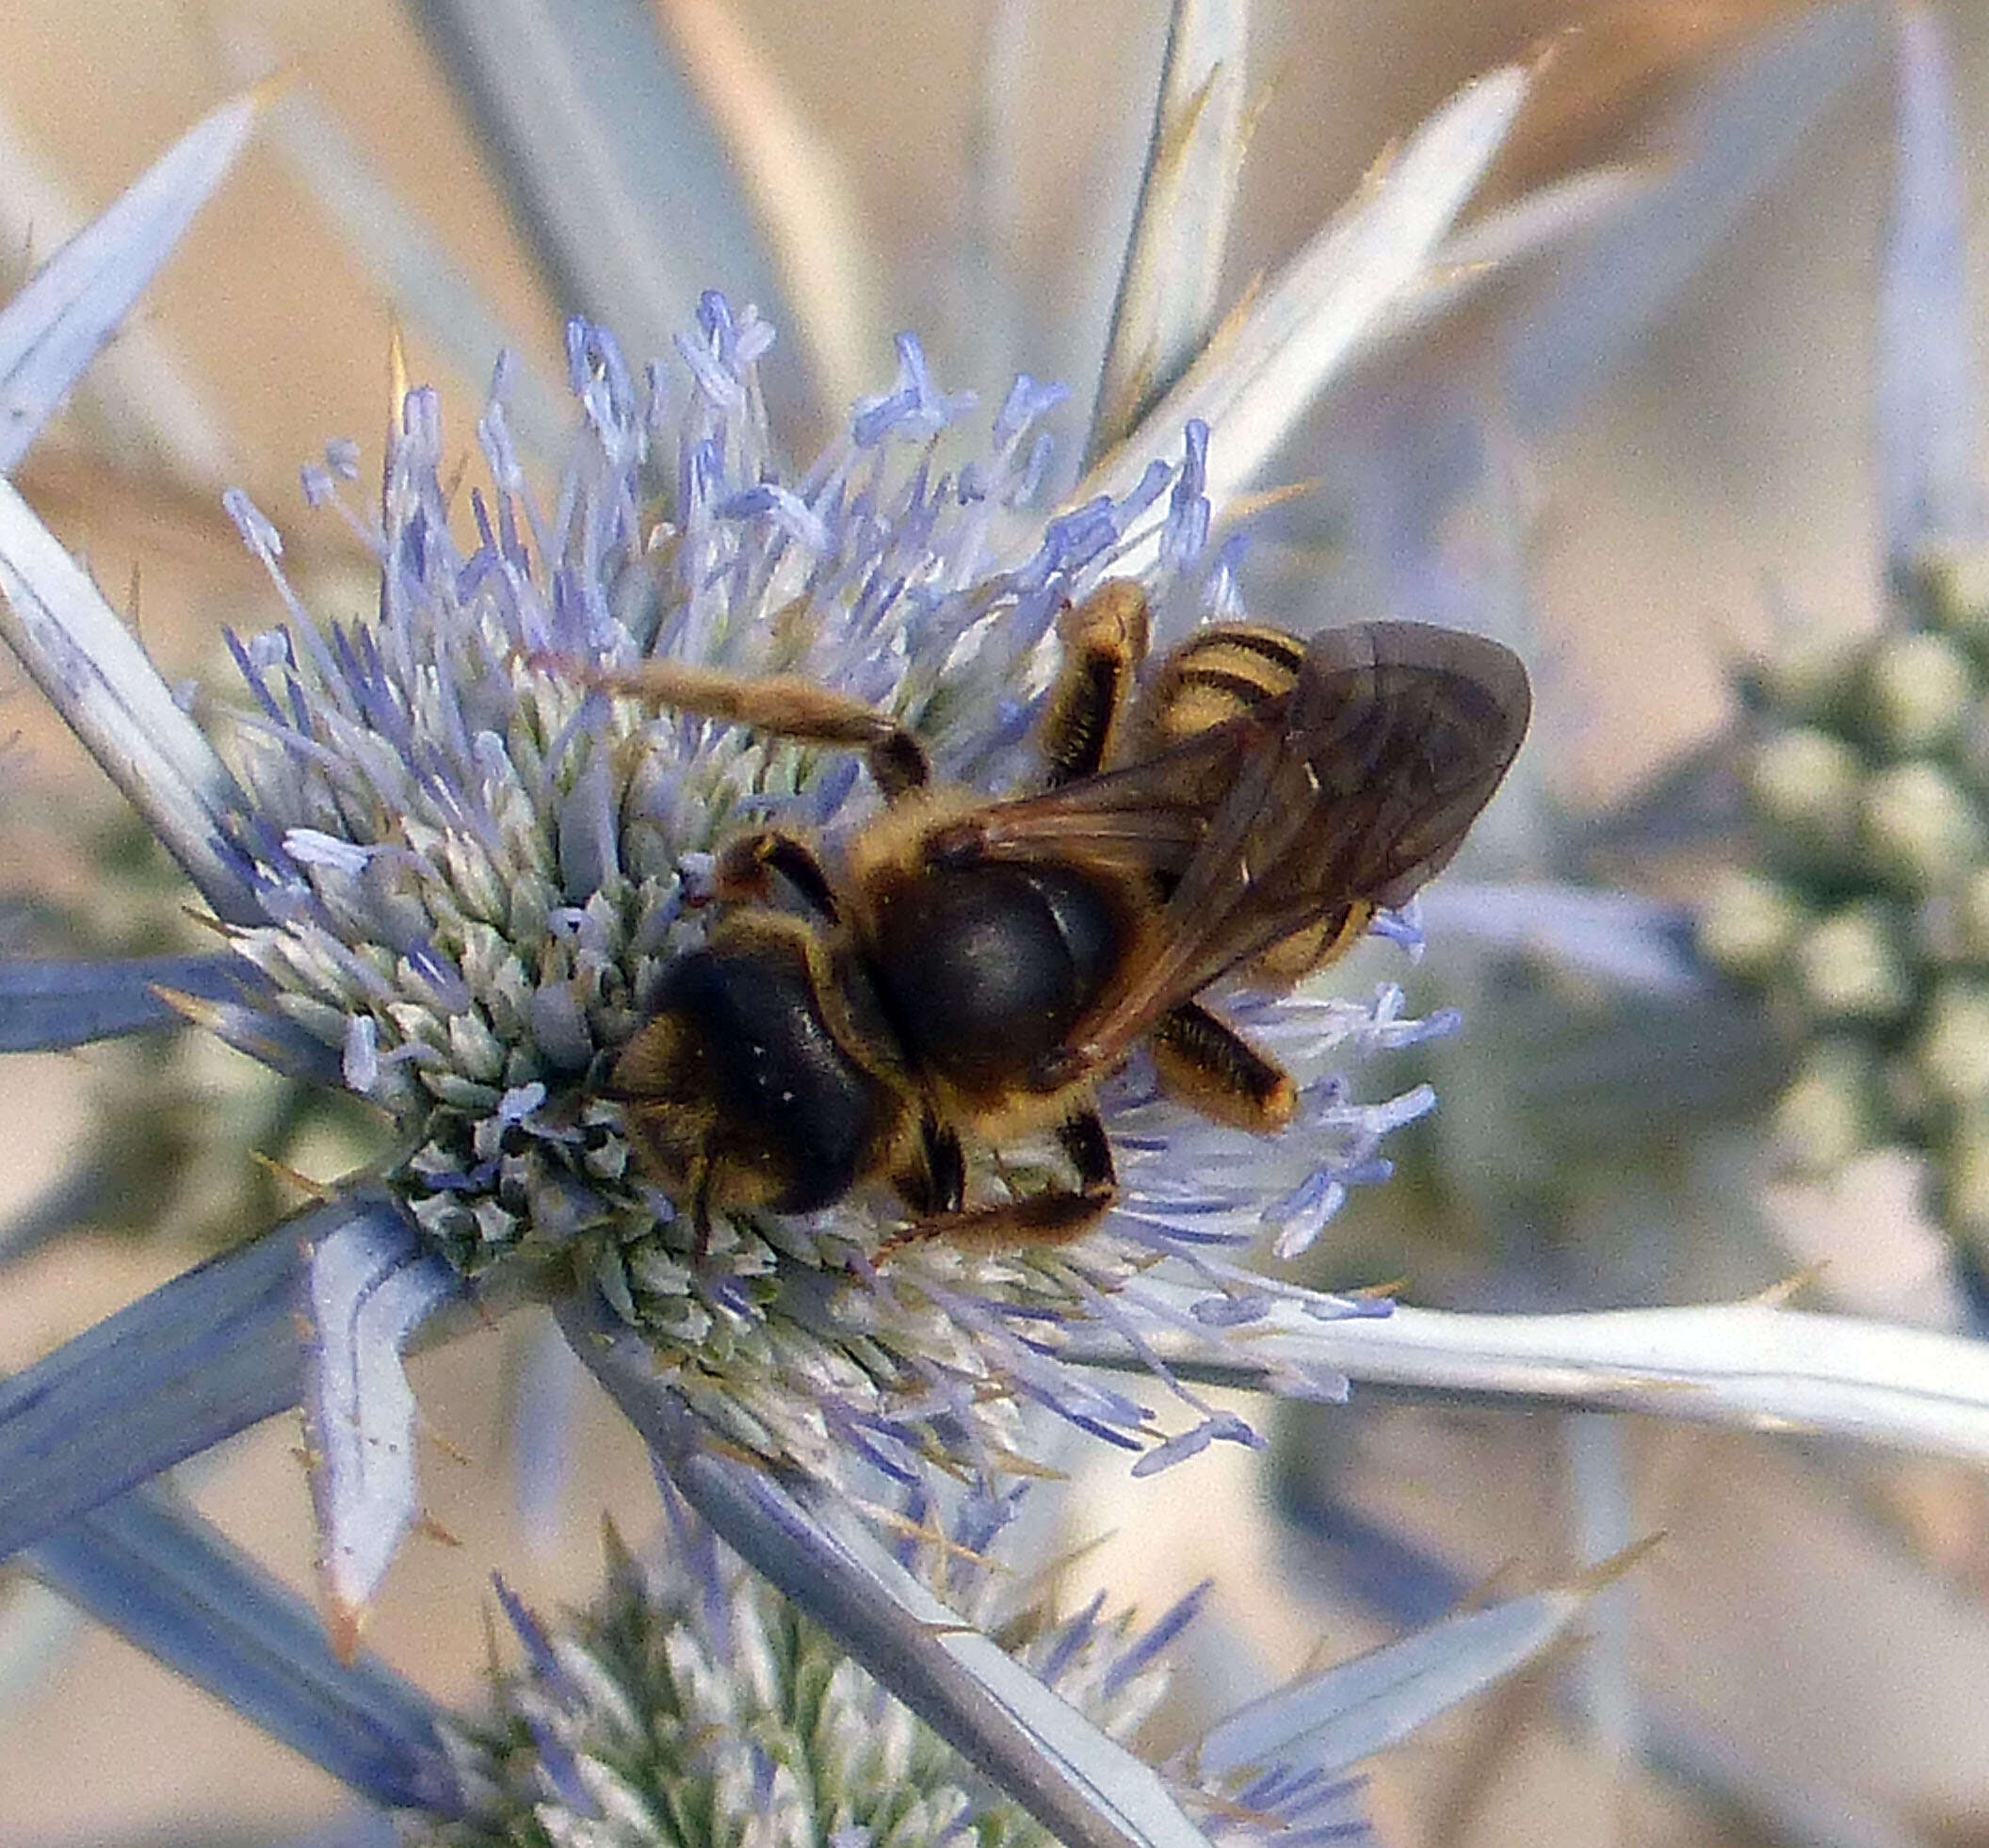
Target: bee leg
{"points": [[1091, 1151], [1052, 1218], [935, 1185], [784, 705], [701, 1222], [1103, 642], [1211, 1067], [742, 871]]}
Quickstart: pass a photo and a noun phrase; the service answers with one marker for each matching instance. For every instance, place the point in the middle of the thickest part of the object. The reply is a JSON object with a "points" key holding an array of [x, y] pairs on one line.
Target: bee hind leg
{"points": [[1103, 640], [1054, 1217], [1209, 1066]]}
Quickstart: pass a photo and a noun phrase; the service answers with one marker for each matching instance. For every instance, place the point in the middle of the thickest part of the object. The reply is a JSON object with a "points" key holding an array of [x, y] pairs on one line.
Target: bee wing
{"points": [[1354, 787], [1151, 817]]}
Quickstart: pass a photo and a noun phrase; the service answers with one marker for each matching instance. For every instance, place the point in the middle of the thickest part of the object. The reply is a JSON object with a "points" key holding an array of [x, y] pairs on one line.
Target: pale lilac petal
{"points": [[1638, 944], [98, 677], [1746, 1364], [1168, 289], [57, 324], [371, 1286], [630, 200], [1332, 1721], [199, 1359], [48, 1004], [170, 1583], [1258, 378]]}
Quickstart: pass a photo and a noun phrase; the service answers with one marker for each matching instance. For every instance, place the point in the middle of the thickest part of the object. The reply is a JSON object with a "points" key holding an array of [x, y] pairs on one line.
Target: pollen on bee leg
{"points": [[1209, 1066], [1114, 616], [1105, 640]]}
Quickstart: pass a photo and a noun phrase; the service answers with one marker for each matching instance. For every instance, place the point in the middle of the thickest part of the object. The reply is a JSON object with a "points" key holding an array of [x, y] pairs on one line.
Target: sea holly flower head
{"points": [[1866, 917], [691, 1705], [475, 869]]}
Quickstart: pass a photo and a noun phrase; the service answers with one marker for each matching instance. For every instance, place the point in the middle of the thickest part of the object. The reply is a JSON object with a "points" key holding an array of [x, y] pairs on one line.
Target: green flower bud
{"points": [[1952, 586], [1749, 923], [1852, 966], [1807, 784], [1953, 1051], [1916, 693], [1830, 1112], [1920, 830], [1971, 915], [1807, 679]]}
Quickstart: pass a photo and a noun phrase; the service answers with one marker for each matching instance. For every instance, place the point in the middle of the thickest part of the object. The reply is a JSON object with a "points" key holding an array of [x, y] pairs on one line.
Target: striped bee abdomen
{"points": [[1215, 677], [1218, 674]]}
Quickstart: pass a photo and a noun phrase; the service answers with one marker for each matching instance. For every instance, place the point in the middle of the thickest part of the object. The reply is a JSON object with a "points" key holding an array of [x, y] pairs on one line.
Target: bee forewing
{"points": [[1429, 717], [1354, 789], [1151, 816]]}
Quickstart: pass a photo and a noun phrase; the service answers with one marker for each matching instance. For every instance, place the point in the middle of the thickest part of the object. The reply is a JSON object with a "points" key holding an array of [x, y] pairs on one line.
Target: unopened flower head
{"points": [[691, 1706], [1866, 915], [475, 870]]}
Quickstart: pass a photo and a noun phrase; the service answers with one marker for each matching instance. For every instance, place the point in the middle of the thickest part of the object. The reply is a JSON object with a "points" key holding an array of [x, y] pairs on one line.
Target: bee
{"points": [[967, 969]]}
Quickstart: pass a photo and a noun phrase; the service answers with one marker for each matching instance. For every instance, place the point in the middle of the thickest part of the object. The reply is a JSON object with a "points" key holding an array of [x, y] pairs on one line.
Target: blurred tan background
{"points": [[1724, 469]]}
